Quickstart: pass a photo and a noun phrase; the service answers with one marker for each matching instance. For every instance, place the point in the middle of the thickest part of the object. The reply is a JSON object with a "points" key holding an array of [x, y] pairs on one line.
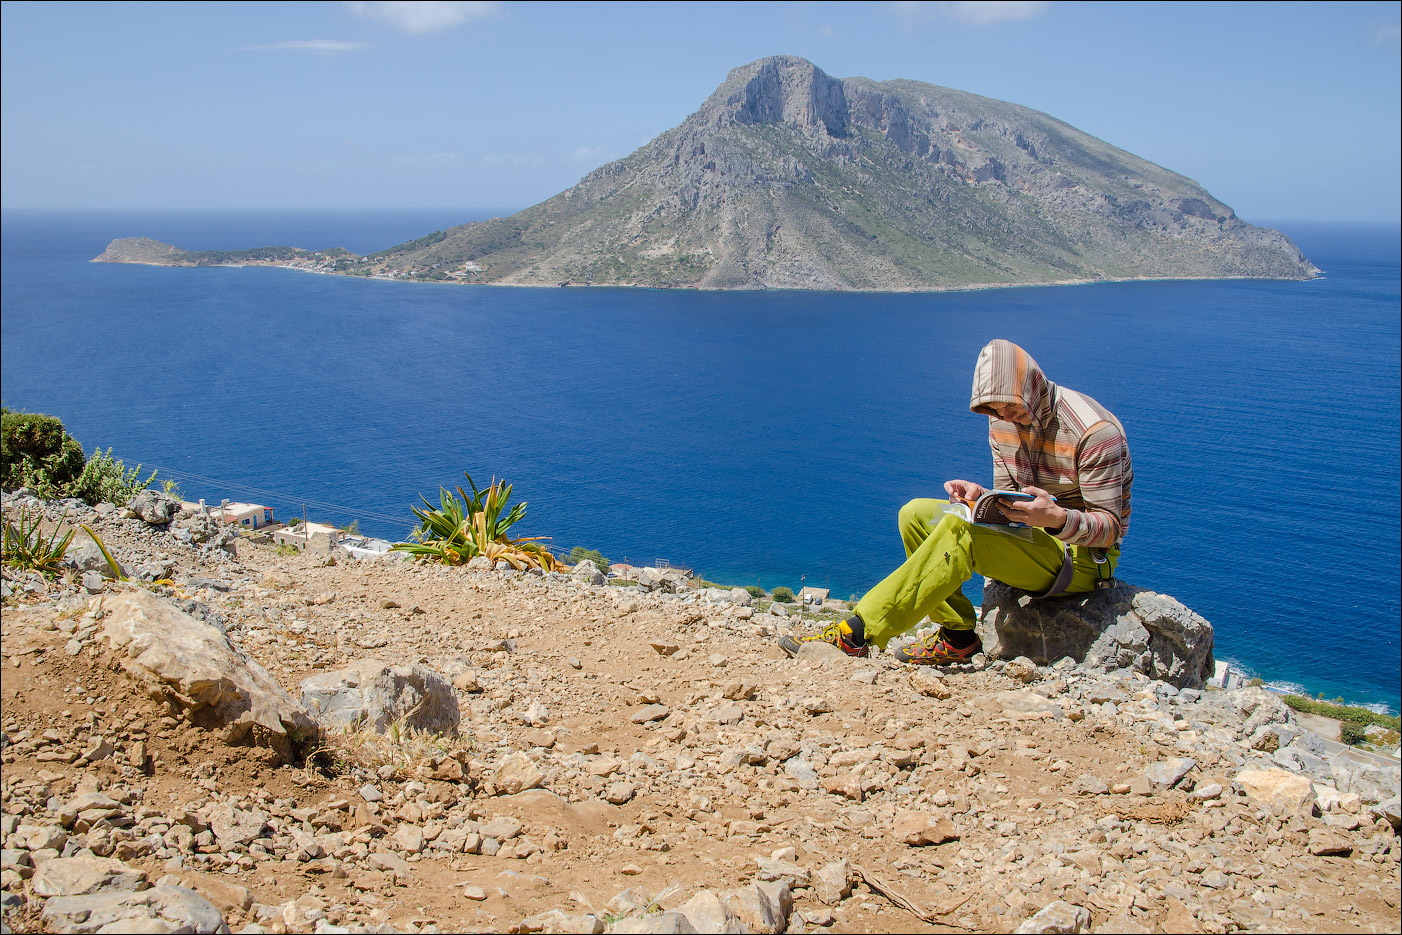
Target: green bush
{"points": [[105, 479], [36, 452], [580, 554], [783, 595], [26, 546], [1347, 713], [461, 529], [755, 590], [1352, 734]]}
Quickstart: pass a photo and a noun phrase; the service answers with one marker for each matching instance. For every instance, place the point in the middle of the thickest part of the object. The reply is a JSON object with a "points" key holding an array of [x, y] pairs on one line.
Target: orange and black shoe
{"points": [[936, 650], [839, 634]]}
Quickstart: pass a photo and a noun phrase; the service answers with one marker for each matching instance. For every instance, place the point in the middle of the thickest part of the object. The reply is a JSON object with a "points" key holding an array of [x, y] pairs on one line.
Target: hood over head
{"points": [[1005, 373]]}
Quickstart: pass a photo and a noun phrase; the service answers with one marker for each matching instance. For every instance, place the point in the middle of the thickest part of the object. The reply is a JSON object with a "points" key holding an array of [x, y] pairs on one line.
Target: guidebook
{"points": [[985, 509]]}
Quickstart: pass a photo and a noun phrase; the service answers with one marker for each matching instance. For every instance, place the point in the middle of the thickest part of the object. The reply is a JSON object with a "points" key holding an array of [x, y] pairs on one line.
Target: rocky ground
{"points": [[631, 761]]}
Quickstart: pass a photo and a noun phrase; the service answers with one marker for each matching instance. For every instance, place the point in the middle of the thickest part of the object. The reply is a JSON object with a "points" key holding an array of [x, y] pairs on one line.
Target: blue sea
{"points": [[762, 438]]}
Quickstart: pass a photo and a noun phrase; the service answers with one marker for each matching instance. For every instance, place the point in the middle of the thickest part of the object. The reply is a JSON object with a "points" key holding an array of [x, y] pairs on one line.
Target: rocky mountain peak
{"points": [[780, 89]]}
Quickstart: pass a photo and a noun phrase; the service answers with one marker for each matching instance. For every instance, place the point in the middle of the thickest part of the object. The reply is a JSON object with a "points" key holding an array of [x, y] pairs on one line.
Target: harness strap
{"points": [[1063, 577]]}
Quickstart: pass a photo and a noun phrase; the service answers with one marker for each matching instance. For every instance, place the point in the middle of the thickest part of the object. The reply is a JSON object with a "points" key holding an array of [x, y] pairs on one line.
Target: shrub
{"points": [[26, 546], [36, 452], [461, 529], [580, 554], [105, 479], [783, 595], [1356, 715], [1352, 734], [755, 590]]}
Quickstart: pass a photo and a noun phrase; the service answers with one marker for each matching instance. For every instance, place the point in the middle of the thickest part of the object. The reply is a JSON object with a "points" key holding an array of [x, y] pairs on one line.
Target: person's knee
{"points": [[912, 518]]}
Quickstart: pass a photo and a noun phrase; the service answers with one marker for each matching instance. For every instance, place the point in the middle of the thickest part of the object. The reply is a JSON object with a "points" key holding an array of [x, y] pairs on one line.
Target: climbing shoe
{"points": [[839, 634], [936, 650]]}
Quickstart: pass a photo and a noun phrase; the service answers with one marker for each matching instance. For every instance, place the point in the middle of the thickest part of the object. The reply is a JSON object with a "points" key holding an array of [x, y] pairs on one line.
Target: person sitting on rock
{"points": [[1062, 447]]}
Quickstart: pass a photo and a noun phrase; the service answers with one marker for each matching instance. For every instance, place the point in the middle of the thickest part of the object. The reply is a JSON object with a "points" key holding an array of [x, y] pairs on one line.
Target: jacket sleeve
{"points": [[1100, 469]]}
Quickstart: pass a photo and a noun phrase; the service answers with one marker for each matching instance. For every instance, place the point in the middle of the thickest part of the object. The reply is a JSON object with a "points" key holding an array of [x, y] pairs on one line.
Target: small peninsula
{"points": [[788, 178]]}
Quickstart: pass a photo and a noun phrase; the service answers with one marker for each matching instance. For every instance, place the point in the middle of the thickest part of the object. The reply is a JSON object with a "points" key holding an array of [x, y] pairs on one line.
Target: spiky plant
{"points": [[463, 527], [25, 545]]}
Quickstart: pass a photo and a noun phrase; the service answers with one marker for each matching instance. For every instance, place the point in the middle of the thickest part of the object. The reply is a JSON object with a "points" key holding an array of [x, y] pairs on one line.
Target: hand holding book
{"points": [[1031, 506]]}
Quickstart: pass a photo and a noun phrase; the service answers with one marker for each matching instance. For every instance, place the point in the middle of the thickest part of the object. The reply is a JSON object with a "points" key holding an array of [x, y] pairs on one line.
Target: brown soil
{"points": [[710, 804]]}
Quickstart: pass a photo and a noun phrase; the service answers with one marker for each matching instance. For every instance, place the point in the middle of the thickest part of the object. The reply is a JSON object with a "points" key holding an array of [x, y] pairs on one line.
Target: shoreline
{"points": [[932, 290]]}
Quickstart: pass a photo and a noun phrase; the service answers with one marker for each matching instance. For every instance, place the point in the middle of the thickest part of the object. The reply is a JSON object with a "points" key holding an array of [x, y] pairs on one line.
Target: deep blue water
{"points": [[752, 436]]}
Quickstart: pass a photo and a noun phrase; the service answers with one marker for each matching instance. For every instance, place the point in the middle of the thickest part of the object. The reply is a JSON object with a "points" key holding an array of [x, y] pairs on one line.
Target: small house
{"points": [[247, 515], [297, 535]]}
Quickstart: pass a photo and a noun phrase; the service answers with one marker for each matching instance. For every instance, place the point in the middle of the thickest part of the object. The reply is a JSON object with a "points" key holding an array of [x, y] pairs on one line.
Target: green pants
{"points": [[943, 550]]}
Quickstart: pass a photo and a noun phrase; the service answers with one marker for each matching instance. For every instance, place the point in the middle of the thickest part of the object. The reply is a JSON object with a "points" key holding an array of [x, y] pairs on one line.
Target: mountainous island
{"points": [[787, 178]]}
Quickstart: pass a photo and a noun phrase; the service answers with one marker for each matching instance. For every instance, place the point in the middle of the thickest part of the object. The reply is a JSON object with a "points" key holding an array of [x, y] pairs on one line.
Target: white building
{"points": [[247, 515], [297, 535]]}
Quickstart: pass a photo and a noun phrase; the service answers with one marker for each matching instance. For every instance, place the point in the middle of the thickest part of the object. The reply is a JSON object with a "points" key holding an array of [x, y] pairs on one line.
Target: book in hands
{"points": [[985, 510]]}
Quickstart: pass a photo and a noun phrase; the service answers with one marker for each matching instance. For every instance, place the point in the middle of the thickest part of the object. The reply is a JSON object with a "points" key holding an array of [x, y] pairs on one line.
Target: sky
{"points": [[1285, 111]]}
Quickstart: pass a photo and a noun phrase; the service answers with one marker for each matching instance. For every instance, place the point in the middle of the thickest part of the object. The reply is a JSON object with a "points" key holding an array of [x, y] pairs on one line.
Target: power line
{"points": [[294, 498], [263, 492]]}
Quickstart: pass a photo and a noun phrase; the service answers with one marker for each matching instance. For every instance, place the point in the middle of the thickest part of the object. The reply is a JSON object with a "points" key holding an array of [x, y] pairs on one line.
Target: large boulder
{"points": [[196, 527], [193, 666], [589, 573], [163, 908], [154, 507], [85, 874], [1374, 782], [664, 580], [377, 694], [1120, 627], [83, 554]]}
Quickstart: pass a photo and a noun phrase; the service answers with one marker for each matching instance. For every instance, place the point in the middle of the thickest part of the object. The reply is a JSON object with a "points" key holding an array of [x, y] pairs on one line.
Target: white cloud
{"points": [[315, 45], [913, 13], [423, 16], [826, 31], [1388, 36]]}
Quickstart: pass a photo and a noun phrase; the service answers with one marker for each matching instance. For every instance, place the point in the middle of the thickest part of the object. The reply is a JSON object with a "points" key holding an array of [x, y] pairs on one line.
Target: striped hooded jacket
{"points": [[1075, 447]]}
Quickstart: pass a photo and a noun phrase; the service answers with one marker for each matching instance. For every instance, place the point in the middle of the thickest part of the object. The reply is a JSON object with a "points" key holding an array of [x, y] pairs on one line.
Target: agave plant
{"points": [[461, 528], [25, 545]]}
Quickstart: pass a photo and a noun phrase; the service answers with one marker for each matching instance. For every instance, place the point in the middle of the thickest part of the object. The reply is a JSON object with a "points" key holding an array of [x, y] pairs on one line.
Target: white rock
{"points": [[377, 694], [517, 773], [194, 665], [1276, 787], [85, 875], [1169, 771], [1061, 918], [164, 908]]}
